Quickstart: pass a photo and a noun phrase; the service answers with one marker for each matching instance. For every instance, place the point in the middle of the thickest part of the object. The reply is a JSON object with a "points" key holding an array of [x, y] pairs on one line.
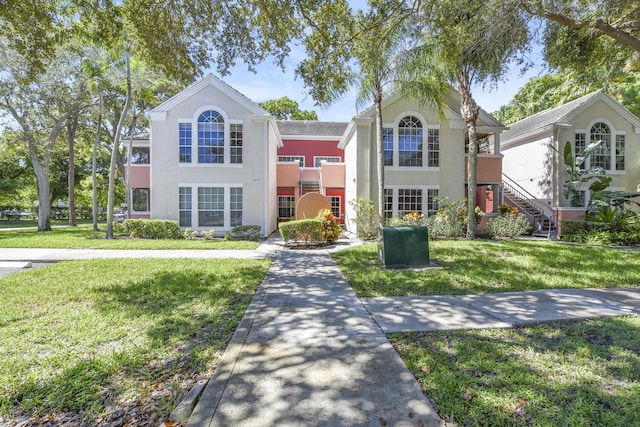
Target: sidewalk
{"points": [[307, 353]]}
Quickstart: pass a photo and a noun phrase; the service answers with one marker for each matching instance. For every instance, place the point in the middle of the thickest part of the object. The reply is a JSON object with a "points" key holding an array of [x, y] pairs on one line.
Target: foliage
{"points": [[483, 266], [606, 37], [366, 218], [305, 231], [447, 222], [100, 333], [451, 219], [246, 232], [607, 226], [508, 225], [412, 218], [287, 109], [506, 208], [552, 374], [578, 175], [331, 229], [152, 229]]}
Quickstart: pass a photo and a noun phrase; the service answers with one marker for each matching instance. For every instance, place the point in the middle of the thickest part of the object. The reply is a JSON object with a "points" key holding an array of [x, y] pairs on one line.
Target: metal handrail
{"points": [[532, 201]]}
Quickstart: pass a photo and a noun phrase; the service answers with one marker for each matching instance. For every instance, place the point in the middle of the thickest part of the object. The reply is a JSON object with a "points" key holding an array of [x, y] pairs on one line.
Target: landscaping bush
{"points": [[245, 232], [306, 231], [412, 218], [367, 219], [508, 225], [448, 222], [331, 230], [152, 229]]}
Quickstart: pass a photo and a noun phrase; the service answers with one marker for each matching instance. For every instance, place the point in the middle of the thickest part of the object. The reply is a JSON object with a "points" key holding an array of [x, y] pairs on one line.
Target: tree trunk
{"points": [[380, 150], [94, 161], [44, 194], [115, 151], [469, 111], [72, 125]]}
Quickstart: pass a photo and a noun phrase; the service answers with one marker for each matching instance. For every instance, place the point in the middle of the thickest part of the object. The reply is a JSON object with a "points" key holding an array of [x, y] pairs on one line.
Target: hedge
{"points": [[152, 229], [307, 231]]}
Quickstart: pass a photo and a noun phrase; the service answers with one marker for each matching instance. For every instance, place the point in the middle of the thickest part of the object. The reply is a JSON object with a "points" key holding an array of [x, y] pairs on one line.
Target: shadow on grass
{"points": [[580, 373], [162, 320]]}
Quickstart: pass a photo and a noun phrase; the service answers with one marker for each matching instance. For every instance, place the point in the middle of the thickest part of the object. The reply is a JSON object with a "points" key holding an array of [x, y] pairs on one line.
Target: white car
{"points": [[118, 217]]}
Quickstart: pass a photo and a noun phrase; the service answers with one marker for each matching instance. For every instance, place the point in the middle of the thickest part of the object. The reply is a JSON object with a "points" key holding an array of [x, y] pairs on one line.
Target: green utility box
{"points": [[404, 246]]}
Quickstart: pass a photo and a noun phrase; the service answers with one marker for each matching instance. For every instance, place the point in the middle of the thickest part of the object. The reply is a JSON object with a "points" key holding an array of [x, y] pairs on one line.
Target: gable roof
{"points": [[208, 80], [311, 128], [452, 109], [547, 119]]}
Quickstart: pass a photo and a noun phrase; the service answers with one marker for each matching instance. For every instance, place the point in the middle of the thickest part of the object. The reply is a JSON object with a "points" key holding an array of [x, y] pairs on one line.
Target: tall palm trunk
{"points": [[380, 149], [469, 111]]}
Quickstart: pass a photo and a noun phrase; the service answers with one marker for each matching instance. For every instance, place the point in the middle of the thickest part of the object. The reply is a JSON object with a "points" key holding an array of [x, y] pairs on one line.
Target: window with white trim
{"points": [[609, 154], [410, 141], [288, 159], [236, 143], [620, 142], [319, 160], [210, 137], [185, 142], [432, 201], [388, 203], [387, 141], [210, 206], [336, 206], [409, 200], [286, 207], [235, 206], [601, 156], [433, 147], [185, 206]]}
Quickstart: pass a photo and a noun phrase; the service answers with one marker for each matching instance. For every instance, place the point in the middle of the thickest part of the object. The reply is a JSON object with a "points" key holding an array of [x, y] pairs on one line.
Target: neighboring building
{"points": [[533, 166], [424, 157], [139, 180], [212, 160], [309, 160]]}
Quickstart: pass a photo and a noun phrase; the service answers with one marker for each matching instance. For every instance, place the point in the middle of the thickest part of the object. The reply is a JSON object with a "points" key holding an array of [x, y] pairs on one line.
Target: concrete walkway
{"points": [[307, 353]]}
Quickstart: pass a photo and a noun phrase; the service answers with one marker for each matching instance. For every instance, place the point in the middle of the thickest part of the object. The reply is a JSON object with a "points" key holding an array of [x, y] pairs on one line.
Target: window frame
{"points": [[291, 158], [428, 199], [583, 137], [430, 144], [194, 205], [148, 201], [291, 200], [318, 160], [189, 141]]}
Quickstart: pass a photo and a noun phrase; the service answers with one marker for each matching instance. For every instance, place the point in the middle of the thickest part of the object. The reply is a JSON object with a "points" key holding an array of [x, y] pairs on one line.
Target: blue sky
{"points": [[272, 83]]}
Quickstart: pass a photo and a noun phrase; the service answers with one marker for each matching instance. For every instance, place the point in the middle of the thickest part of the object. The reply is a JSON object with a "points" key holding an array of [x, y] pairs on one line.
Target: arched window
{"points": [[210, 137], [410, 138], [601, 156]]}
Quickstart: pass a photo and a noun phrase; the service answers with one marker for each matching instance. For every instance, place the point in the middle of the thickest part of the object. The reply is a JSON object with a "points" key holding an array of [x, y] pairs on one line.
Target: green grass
{"points": [[477, 267], [585, 373], [82, 335], [25, 223], [83, 237]]}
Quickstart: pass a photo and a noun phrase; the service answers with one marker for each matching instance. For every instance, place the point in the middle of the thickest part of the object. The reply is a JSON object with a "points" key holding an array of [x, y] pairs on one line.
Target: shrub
{"points": [[245, 232], [448, 222], [209, 235], [152, 229], [306, 231], [331, 229], [412, 218], [506, 208], [190, 234], [508, 225], [367, 219]]}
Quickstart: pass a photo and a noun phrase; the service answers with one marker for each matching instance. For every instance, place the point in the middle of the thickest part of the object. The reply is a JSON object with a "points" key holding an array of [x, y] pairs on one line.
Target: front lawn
{"points": [[477, 267], [83, 237], [102, 340], [583, 373]]}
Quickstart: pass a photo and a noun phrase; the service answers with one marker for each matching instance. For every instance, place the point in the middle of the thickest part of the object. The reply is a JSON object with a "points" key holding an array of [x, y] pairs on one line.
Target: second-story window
{"points": [[210, 137], [410, 137], [236, 143], [185, 142]]}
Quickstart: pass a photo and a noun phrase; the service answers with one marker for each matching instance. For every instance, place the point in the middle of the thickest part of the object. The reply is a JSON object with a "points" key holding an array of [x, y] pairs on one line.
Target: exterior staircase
{"points": [[309, 187], [542, 223]]}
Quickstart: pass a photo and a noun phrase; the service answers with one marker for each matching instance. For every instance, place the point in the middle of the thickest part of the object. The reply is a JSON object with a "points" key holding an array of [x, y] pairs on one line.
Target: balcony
{"points": [[489, 168]]}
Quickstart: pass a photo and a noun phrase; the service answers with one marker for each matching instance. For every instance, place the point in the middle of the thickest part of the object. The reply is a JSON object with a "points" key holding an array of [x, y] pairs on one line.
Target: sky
{"points": [[270, 82]]}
